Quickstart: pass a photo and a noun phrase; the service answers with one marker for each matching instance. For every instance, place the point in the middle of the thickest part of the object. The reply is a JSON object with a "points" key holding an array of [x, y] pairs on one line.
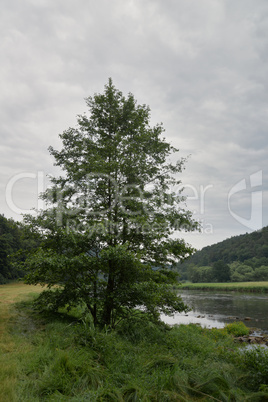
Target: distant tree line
{"points": [[15, 241], [238, 259]]}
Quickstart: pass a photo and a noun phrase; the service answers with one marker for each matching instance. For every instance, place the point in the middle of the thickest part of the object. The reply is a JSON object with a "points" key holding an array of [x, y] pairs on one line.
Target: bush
{"points": [[3, 280], [141, 328], [255, 363], [237, 329]]}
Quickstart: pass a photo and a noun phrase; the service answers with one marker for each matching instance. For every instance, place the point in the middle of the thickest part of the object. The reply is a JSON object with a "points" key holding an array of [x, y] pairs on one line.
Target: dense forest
{"points": [[15, 240], [237, 259]]}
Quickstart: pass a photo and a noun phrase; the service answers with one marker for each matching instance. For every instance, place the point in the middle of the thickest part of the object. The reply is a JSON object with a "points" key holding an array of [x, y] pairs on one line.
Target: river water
{"points": [[215, 309]]}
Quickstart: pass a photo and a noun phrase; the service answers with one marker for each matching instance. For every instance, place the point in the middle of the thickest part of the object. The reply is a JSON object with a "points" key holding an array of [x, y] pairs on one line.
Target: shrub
{"points": [[237, 329], [255, 362]]}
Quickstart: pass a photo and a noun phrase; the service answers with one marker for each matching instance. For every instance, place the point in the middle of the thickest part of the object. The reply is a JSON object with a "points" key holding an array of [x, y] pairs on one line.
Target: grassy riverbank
{"points": [[259, 287], [64, 358]]}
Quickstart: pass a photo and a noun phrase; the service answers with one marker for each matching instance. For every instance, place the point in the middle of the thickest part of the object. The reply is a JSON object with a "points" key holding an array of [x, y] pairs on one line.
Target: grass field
{"points": [[10, 346], [62, 357], [261, 287]]}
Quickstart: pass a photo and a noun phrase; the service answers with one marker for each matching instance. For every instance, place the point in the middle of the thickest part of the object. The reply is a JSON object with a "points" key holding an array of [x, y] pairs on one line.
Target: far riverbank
{"points": [[258, 287]]}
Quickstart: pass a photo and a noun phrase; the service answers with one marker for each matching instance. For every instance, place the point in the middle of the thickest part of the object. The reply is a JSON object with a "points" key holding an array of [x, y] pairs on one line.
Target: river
{"points": [[214, 309]]}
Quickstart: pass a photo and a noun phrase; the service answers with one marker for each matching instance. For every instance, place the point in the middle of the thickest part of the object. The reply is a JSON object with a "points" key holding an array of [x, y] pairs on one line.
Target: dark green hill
{"points": [[13, 238], [237, 248], [246, 256]]}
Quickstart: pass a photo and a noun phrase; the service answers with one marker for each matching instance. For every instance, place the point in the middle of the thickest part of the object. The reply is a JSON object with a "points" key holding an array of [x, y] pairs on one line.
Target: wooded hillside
{"points": [[239, 258]]}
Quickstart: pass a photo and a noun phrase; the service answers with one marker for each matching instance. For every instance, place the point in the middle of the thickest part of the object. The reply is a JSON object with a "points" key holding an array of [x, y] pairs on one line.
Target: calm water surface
{"points": [[214, 309]]}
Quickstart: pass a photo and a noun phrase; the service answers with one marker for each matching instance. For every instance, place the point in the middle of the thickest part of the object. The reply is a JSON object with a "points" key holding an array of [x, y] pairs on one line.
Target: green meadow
{"points": [[62, 357]]}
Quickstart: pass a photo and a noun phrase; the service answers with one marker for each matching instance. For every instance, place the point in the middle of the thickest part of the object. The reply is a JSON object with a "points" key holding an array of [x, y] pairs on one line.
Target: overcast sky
{"points": [[201, 66]]}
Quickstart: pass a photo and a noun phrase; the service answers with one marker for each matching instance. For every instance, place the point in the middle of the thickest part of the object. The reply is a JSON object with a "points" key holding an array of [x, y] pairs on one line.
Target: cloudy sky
{"points": [[201, 66]]}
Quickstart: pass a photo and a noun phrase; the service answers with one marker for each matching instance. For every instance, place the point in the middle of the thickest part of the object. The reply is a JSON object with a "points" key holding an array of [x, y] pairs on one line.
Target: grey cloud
{"points": [[200, 66]]}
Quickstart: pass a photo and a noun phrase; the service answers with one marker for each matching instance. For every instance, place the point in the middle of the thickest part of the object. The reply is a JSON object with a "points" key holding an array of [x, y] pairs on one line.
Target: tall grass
{"points": [[260, 287], [64, 358], [10, 347]]}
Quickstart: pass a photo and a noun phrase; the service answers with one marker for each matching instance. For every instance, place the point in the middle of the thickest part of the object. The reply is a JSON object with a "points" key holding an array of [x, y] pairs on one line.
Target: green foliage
{"points": [[221, 271], [66, 358], [200, 274], [13, 244], [109, 218], [244, 272], [255, 363], [239, 259], [9, 243], [237, 329], [140, 328], [238, 248]]}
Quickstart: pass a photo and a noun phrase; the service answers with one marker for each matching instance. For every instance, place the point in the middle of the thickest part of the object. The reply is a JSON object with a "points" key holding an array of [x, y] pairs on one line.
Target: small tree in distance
{"points": [[106, 232]]}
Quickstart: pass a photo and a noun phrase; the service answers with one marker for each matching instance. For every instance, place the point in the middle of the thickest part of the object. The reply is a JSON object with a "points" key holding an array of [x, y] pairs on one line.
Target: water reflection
{"points": [[214, 309]]}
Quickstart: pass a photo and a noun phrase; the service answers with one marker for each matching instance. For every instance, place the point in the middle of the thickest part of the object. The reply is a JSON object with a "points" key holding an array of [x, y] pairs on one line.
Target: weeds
{"points": [[255, 364], [237, 329], [64, 357]]}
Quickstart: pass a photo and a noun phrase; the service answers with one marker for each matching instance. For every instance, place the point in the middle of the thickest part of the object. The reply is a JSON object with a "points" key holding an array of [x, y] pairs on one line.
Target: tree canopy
{"points": [[14, 240], [106, 231]]}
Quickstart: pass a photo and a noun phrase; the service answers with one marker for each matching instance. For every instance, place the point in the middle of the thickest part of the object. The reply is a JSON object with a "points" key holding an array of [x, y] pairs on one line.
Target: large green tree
{"points": [[107, 228]]}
